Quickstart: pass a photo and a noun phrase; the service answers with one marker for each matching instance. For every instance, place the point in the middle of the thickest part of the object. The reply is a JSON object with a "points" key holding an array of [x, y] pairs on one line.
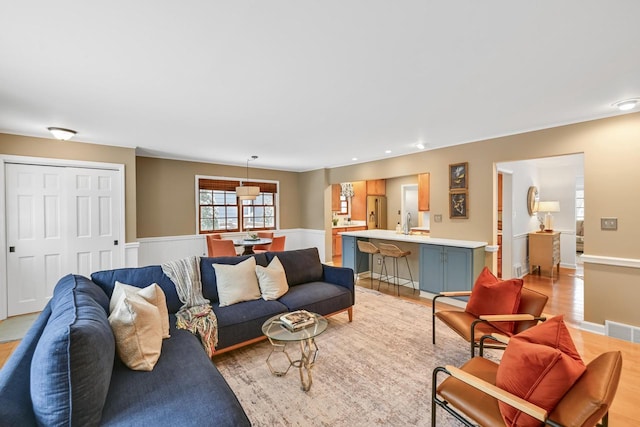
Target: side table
{"points": [[544, 251]]}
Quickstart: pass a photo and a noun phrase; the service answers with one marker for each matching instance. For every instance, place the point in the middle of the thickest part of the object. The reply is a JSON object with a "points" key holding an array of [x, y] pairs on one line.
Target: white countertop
{"points": [[413, 238], [353, 224]]}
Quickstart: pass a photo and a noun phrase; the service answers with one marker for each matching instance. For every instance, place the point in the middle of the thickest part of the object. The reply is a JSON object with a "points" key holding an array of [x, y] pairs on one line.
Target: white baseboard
{"points": [[592, 327]]}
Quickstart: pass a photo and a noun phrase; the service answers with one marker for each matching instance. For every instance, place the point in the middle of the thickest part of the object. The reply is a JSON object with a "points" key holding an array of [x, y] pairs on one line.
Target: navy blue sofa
{"points": [[66, 371]]}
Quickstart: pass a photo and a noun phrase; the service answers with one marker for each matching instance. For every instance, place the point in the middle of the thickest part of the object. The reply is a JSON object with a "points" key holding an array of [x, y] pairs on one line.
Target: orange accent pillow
{"points": [[539, 365], [492, 296]]}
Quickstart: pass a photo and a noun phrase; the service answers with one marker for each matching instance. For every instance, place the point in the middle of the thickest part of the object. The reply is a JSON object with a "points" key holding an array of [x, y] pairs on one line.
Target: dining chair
{"points": [[211, 237], [277, 244], [221, 247], [263, 235]]}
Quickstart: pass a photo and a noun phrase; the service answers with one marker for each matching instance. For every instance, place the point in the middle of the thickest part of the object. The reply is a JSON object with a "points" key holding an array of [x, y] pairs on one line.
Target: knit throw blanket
{"points": [[196, 315]]}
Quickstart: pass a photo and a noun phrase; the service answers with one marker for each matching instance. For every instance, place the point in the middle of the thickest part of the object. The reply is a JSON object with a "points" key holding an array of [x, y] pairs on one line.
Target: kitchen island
{"points": [[440, 264]]}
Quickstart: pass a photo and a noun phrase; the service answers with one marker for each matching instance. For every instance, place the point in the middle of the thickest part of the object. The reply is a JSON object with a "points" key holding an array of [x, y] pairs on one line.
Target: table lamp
{"points": [[548, 207]]}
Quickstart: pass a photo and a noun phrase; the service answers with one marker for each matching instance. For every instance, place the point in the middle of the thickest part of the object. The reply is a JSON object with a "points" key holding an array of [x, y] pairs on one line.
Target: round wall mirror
{"points": [[532, 200]]}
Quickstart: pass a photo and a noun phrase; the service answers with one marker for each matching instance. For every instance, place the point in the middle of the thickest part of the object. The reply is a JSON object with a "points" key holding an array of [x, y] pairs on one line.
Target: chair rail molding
{"points": [[613, 261]]}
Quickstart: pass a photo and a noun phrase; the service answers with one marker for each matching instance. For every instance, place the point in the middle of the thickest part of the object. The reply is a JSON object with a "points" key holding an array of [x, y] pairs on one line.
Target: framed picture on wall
{"points": [[458, 205], [459, 176]]}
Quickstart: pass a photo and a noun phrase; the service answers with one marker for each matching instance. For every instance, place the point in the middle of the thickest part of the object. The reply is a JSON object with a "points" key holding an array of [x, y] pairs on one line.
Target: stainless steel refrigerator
{"points": [[377, 212]]}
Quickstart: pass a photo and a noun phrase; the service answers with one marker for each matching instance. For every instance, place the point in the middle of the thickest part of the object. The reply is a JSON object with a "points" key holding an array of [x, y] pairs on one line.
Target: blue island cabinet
{"points": [[352, 257], [449, 268]]}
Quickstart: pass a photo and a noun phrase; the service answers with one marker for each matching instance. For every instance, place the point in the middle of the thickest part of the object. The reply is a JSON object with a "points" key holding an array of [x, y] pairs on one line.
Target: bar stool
{"points": [[392, 251], [371, 249]]}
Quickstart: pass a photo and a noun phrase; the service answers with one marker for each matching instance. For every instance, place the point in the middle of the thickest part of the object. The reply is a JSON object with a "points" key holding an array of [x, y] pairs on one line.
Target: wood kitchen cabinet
{"points": [[544, 251], [423, 192], [449, 268], [335, 197], [377, 187], [359, 201], [336, 239]]}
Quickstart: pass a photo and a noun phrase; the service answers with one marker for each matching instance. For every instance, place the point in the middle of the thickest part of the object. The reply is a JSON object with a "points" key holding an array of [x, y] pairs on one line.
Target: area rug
{"points": [[373, 371], [15, 328]]}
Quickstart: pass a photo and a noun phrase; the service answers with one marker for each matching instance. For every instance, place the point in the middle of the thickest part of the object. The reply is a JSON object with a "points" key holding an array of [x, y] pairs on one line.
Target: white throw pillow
{"points": [[152, 293], [237, 283], [138, 331], [272, 280]]}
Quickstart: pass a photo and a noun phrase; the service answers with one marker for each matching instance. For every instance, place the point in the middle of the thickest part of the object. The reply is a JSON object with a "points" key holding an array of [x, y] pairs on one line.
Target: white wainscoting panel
{"points": [[131, 254], [519, 255], [156, 250]]}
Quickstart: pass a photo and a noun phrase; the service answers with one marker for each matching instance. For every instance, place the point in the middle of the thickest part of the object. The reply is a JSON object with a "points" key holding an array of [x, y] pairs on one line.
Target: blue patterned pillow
{"points": [[72, 364]]}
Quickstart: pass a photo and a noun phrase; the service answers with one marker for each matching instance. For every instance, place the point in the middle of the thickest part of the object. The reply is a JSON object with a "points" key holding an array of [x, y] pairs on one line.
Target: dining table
{"points": [[248, 244]]}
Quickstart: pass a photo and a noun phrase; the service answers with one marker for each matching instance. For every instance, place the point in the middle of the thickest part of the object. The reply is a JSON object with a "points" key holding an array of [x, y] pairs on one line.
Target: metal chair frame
{"points": [[392, 251]]}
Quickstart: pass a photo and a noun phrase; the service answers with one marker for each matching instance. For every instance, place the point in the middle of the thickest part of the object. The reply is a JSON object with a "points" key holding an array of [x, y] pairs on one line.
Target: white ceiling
{"points": [[310, 84]]}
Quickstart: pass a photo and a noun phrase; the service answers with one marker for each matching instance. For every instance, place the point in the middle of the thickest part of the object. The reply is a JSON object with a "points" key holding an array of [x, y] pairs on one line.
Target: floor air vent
{"points": [[517, 270], [622, 331]]}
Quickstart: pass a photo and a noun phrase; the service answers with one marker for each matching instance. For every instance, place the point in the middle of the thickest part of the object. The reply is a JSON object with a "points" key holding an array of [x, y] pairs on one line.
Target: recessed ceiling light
{"points": [[62, 133], [354, 158], [627, 104], [387, 151], [420, 146]]}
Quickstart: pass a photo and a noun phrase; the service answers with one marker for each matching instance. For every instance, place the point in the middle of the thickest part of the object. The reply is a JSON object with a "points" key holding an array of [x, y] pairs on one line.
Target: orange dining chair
{"points": [[221, 247], [211, 237], [277, 244], [263, 248]]}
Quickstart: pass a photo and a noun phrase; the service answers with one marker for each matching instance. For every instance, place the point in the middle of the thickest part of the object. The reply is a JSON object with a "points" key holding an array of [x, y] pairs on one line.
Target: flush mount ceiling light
{"points": [[248, 192], [627, 104], [61, 133], [387, 151], [420, 146]]}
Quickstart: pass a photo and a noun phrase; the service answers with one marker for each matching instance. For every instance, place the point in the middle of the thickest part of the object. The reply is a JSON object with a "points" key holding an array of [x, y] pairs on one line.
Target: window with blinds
{"points": [[219, 210]]}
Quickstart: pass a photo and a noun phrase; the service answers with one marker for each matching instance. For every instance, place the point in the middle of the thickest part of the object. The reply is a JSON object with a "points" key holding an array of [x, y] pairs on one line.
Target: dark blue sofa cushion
{"points": [[140, 277], [243, 321], [72, 363], [16, 408], [300, 266], [208, 273], [318, 297], [183, 389]]}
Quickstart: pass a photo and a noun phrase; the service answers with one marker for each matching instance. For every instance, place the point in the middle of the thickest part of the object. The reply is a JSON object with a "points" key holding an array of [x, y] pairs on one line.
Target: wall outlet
{"points": [[437, 218], [379, 261], [608, 223]]}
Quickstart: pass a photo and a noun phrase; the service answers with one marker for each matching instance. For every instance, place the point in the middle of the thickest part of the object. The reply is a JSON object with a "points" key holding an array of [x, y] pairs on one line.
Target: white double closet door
{"points": [[59, 220]]}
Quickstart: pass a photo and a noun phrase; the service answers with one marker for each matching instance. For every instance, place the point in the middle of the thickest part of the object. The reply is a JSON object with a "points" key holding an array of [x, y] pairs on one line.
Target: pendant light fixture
{"points": [[248, 192]]}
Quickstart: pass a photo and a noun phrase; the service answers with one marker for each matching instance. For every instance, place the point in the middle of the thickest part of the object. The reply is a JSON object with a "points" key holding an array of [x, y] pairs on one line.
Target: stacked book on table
{"points": [[297, 320]]}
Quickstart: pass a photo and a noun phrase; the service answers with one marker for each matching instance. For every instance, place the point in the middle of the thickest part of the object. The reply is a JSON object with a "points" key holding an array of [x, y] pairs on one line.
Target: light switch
{"points": [[437, 218], [608, 223]]}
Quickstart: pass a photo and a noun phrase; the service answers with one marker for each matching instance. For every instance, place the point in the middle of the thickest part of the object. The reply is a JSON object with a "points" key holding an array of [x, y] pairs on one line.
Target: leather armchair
{"points": [[470, 392], [472, 328]]}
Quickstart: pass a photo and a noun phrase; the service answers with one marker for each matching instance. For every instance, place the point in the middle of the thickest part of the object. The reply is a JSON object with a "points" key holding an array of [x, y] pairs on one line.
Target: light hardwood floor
{"points": [[565, 297]]}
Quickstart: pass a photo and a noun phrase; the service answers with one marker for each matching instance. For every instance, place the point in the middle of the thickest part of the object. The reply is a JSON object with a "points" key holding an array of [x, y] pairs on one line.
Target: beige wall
{"points": [[163, 195], [69, 150], [394, 199], [612, 154], [166, 194]]}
